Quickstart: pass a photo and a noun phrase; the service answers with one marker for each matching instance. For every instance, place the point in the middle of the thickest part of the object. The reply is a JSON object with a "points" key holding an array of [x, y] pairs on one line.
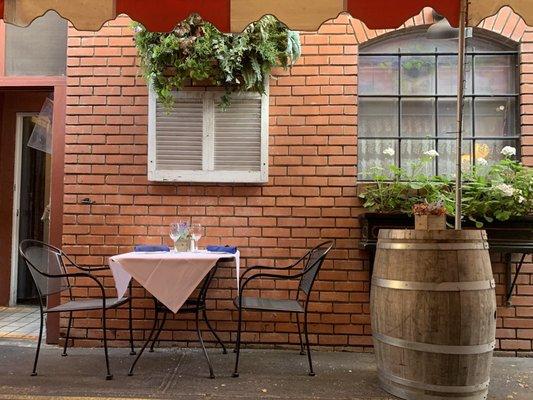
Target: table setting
{"points": [[171, 275]]}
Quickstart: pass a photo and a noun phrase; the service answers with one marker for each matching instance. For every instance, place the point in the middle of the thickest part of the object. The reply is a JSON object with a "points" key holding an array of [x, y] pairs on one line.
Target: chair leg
{"points": [[139, 354], [302, 352], [238, 346], [109, 376], [158, 332], [311, 372], [34, 371], [130, 325], [64, 354], [199, 332], [224, 351]]}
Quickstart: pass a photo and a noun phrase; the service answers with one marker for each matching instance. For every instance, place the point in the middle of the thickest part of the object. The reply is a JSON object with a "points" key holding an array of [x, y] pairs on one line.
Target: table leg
{"points": [[130, 318], [130, 373], [200, 306]]}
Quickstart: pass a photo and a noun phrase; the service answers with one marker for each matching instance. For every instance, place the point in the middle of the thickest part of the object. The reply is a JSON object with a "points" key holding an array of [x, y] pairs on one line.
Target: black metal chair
{"points": [[49, 273], [311, 261], [191, 306]]}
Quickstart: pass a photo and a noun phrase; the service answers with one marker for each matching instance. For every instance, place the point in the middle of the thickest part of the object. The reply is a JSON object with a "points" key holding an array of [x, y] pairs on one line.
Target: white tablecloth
{"points": [[170, 277]]}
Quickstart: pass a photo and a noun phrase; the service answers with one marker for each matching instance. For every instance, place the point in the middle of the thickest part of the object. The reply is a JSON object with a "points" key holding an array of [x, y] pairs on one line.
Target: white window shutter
{"points": [[238, 136], [196, 141], [179, 135]]}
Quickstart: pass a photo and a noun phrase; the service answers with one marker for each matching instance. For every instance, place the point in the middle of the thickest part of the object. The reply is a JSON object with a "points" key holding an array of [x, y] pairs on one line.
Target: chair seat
{"points": [[87, 304], [258, 303]]}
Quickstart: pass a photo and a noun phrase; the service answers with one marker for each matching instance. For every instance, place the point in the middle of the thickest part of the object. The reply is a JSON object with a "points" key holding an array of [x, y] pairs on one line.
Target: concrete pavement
{"points": [[183, 374]]}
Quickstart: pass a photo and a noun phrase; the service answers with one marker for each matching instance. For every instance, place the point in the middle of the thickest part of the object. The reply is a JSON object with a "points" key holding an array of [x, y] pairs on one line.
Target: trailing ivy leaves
{"points": [[196, 51]]}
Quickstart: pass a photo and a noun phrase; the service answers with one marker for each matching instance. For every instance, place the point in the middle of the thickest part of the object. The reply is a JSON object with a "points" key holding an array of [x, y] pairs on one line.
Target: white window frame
{"points": [[208, 174]]}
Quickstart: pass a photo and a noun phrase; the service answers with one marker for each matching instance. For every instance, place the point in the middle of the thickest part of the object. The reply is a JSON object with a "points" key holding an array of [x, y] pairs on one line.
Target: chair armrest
{"points": [[92, 269], [85, 275], [261, 267], [270, 268], [85, 269], [268, 276]]}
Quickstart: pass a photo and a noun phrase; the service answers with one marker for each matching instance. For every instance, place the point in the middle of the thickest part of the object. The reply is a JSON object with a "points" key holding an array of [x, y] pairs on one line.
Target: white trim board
{"points": [[16, 206]]}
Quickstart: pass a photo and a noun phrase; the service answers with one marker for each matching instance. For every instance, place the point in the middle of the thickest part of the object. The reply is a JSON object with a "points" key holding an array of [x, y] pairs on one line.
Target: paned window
{"points": [[407, 88]]}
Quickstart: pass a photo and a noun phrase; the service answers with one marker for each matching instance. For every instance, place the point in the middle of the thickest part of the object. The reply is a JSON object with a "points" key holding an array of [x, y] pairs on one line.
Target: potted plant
{"points": [[395, 190], [429, 216], [195, 52], [497, 197]]}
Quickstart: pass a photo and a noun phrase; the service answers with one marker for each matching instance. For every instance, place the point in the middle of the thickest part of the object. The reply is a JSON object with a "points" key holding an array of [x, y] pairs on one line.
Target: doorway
{"points": [[31, 205]]}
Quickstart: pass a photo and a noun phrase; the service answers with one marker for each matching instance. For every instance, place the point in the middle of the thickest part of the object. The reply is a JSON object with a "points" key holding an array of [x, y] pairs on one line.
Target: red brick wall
{"points": [[311, 194]]}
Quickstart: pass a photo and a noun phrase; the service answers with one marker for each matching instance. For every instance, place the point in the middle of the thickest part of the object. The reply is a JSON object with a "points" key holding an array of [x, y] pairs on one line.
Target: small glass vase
{"points": [[182, 245]]}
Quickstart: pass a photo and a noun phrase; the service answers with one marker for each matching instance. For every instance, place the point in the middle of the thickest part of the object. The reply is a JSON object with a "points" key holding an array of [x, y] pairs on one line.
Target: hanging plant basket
{"points": [[196, 53]]}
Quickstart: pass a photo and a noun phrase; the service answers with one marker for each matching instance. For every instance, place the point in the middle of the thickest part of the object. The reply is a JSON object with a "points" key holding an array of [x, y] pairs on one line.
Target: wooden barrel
{"points": [[433, 309]]}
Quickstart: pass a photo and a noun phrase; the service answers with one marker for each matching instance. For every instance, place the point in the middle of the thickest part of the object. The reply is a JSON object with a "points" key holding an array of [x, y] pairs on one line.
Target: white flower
{"points": [[507, 190], [508, 151], [389, 151], [431, 153], [138, 29], [481, 161], [521, 199]]}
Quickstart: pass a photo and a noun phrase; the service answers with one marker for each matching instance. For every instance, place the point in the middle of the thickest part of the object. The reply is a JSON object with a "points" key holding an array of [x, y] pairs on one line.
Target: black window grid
{"points": [[436, 96]]}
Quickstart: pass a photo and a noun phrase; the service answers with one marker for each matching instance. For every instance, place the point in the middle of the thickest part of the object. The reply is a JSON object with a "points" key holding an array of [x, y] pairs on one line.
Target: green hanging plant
{"points": [[196, 51]]}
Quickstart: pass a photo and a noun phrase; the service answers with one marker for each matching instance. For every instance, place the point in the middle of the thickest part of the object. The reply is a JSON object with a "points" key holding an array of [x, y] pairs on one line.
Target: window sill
{"points": [[208, 176]]}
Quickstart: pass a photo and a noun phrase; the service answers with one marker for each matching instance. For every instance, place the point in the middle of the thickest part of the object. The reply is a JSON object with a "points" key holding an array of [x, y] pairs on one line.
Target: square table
{"points": [[170, 277]]}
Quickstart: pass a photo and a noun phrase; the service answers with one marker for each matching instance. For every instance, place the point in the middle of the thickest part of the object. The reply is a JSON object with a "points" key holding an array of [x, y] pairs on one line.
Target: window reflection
{"points": [[407, 92]]}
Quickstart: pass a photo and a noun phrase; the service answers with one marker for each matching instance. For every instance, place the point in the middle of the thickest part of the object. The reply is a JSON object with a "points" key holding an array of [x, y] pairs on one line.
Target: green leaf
{"points": [[197, 50]]}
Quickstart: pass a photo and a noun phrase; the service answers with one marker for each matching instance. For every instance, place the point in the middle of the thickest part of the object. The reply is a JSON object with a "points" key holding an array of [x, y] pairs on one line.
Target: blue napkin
{"points": [[222, 249], [144, 248]]}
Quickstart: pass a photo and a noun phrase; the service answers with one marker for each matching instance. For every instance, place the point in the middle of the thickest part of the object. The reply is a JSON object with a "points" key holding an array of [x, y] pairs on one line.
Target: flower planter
{"points": [[509, 237], [512, 236]]}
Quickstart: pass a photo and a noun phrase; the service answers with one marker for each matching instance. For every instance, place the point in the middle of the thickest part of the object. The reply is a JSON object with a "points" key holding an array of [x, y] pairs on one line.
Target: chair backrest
{"points": [[312, 261], [45, 262]]}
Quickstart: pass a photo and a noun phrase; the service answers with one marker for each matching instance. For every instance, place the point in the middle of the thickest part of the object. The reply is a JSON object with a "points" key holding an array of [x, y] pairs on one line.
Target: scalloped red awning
{"points": [[227, 15], [235, 15], [164, 16]]}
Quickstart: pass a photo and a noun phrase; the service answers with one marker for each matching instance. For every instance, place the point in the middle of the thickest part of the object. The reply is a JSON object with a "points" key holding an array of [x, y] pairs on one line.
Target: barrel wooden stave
{"points": [[447, 321]]}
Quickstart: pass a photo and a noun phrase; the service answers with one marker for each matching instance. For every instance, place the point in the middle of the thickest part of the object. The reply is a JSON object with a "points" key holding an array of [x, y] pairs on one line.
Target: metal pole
{"points": [[460, 102]]}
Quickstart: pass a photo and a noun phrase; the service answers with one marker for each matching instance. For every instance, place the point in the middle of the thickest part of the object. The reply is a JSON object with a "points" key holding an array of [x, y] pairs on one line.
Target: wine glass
{"points": [[174, 232], [197, 232]]}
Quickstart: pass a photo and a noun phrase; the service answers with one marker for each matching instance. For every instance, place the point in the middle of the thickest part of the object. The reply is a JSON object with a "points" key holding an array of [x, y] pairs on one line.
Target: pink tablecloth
{"points": [[169, 277]]}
